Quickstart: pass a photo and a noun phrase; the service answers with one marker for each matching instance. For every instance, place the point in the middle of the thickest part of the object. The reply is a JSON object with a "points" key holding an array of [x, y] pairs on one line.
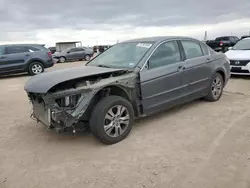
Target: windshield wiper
{"points": [[105, 66]]}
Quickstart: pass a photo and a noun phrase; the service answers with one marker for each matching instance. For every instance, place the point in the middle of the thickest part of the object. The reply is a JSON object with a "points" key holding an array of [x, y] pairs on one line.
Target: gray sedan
{"points": [[73, 54], [130, 80]]}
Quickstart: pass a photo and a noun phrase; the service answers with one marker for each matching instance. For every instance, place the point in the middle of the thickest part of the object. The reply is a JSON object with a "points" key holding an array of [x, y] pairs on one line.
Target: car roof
{"points": [[247, 38], [5, 45], [157, 39]]}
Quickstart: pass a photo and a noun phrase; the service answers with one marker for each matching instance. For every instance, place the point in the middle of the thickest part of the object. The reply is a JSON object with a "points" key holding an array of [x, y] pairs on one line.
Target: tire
{"points": [[215, 88], [62, 59], [118, 130], [36, 68], [87, 57]]}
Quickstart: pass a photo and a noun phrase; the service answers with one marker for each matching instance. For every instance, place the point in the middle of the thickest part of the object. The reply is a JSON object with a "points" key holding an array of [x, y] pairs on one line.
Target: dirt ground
{"points": [[201, 144]]}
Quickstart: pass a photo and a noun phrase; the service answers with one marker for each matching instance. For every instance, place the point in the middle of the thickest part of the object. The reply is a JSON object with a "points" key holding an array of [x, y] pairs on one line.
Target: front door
{"points": [[197, 67], [161, 79], [13, 59]]}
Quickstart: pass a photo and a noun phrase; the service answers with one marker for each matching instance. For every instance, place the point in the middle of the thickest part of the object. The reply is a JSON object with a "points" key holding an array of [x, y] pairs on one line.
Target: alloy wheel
{"points": [[217, 87], [37, 69], [62, 60], [116, 121]]}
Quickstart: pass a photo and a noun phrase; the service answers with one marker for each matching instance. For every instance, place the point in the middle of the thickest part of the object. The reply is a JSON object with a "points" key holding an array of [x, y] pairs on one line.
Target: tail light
{"points": [[50, 54], [221, 43]]}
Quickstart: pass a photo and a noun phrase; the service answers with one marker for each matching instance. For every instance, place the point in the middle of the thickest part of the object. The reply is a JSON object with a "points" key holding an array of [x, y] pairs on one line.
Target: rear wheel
{"points": [[36, 68], [216, 88], [111, 119]]}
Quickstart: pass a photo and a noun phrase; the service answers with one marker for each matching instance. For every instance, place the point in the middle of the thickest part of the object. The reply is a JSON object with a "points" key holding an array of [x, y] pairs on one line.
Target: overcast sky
{"points": [[107, 21]]}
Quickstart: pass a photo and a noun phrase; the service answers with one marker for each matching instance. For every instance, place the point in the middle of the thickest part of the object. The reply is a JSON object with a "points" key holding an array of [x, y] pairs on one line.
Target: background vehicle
{"points": [[239, 56], [73, 54], [222, 43], [245, 36], [52, 49], [132, 79], [31, 58]]}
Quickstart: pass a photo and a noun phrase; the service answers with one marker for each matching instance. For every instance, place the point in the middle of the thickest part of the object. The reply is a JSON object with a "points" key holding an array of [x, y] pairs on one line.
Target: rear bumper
{"points": [[49, 63]]}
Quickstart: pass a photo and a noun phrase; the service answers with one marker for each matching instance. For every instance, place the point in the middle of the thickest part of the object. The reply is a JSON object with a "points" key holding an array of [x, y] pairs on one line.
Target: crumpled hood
{"points": [[238, 54], [44, 82]]}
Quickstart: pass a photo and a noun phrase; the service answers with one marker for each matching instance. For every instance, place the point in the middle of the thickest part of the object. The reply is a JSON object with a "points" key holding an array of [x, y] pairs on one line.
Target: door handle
{"points": [[181, 68], [208, 60], [27, 54], [2, 57]]}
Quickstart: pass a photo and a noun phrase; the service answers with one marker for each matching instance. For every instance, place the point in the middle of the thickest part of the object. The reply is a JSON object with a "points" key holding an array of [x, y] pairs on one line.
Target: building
{"points": [[61, 46]]}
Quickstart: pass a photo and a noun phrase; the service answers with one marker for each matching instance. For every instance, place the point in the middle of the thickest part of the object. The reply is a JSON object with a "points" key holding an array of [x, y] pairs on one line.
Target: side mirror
{"points": [[68, 52], [230, 48], [147, 65]]}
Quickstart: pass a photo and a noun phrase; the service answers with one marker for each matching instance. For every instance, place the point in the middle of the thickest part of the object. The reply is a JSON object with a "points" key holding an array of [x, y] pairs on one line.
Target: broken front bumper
{"points": [[48, 112]]}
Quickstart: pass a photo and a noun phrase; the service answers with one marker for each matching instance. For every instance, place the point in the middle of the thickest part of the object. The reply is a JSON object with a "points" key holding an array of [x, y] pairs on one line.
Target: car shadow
{"points": [[245, 77], [167, 113], [14, 75], [86, 137]]}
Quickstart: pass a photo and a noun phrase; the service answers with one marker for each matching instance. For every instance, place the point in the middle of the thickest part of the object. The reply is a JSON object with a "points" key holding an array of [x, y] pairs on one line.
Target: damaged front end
{"points": [[67, 105]]}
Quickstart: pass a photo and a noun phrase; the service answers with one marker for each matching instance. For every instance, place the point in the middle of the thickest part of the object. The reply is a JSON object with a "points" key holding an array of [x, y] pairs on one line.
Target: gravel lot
{"points": [[201, 144]]}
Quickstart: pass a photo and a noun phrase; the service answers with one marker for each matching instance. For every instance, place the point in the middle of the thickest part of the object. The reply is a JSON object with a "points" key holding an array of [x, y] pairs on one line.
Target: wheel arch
{"points": [[114, 89], [222, 73], [32, 61]]}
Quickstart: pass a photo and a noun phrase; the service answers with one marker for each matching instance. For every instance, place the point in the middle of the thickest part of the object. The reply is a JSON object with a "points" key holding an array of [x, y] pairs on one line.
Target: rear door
{"points": [[161, 79], [14, 58], [197, 65], [75, 53]]}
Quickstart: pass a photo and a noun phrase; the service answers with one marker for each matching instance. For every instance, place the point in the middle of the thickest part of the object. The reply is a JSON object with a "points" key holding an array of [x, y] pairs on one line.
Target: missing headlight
{"points": [[68, 101]]}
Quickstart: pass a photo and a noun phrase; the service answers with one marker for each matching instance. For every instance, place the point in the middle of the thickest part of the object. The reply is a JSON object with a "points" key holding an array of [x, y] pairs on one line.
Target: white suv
{"points": [[239, 56]]}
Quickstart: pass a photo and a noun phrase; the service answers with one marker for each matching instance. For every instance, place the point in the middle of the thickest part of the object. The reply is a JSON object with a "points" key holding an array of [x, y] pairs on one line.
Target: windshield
{"points": [[122, 55], [242, 45]]}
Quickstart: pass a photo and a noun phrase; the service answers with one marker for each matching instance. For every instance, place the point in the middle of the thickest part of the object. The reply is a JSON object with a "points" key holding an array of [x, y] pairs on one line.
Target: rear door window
{"points": [[76, 50], [192, 49], [166, 54], [16, 49]]}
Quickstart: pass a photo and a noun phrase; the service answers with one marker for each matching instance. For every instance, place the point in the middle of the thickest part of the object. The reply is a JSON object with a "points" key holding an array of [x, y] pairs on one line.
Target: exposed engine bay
{"points": [[67, 105]]}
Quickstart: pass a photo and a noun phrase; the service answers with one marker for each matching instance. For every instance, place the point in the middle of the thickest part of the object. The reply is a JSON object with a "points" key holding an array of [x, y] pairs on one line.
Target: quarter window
{"points": [[204, 49], [32, 49], [192, 49], [166, 54]]}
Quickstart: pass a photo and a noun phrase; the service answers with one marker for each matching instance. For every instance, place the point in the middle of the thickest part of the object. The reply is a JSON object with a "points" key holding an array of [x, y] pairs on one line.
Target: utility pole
{"points": [[205, 37]]}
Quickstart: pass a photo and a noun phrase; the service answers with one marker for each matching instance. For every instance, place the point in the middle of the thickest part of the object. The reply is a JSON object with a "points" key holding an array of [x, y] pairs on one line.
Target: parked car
{"points": [[73, 54], [222, 43], [244, 36], [52, 49], [130, 80], [31, 58], [239, 56]]}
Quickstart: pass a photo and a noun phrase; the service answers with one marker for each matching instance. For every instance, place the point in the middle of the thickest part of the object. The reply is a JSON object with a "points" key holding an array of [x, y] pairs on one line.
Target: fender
{"points": [[33, 60]]}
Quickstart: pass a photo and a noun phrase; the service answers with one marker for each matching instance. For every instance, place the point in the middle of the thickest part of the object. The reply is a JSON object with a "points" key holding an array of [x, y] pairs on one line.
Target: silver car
{"points": [[132, 79], [73, 54]]}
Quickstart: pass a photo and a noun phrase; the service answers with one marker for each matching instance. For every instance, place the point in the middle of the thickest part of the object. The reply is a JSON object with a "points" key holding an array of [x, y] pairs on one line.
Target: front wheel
{"points": [[62, 59], [87, 57], [216, 88], [111, 119]]}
